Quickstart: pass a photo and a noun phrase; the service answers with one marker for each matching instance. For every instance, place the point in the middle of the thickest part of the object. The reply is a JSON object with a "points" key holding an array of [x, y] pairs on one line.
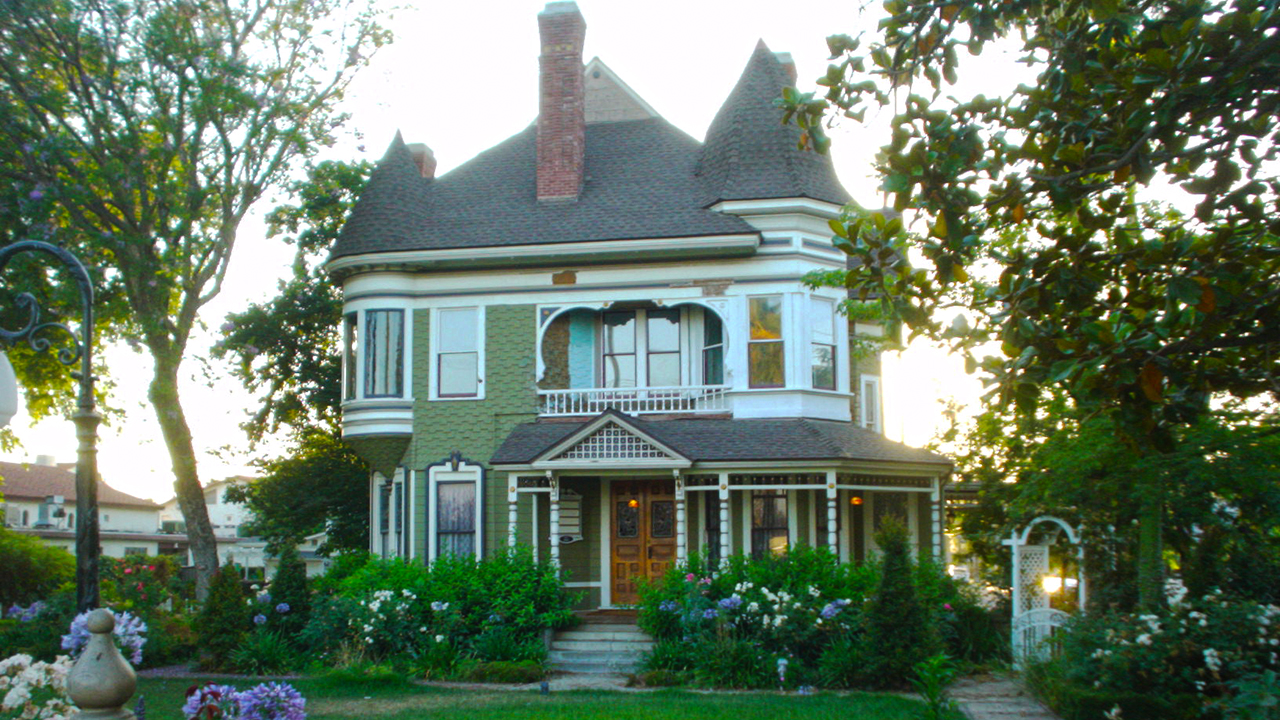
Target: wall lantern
{"points": [[855, 500]]}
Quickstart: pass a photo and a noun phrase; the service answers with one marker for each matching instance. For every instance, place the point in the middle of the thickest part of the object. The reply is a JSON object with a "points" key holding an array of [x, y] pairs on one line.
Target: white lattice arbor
{"points": [[1034, 621]]}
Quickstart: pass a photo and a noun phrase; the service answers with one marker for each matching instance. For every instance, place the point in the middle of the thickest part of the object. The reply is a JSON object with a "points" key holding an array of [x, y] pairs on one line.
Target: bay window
{"points": [[765, 354]]}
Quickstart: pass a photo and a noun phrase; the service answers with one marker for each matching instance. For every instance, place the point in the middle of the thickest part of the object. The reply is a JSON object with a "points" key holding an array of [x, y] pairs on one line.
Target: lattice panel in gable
{"points": [[613, 442]]}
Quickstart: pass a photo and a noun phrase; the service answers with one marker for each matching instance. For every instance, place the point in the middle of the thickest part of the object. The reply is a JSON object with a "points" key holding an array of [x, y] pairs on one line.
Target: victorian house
{"points": [[594, 339]]}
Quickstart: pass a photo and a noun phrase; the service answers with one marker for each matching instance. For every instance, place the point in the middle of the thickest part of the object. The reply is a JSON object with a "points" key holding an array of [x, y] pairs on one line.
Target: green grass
{"points": [[346, 700]]}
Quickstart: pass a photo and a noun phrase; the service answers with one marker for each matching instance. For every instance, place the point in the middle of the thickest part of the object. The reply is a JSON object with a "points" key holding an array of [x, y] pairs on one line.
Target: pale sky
{"points": [[462, 77]]}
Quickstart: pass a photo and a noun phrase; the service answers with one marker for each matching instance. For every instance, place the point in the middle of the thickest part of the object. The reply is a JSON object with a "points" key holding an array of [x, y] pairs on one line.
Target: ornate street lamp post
{"points": [[86, 416]]}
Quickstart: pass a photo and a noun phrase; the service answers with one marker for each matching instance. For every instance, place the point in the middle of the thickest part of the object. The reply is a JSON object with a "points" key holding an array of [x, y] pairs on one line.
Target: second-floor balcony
{"points": [[634, 401]]}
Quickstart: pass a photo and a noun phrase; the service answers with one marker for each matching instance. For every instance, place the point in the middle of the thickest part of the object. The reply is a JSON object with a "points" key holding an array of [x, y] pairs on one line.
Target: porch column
{"points": [[682, 543], [555, 518], [935, 500], [833, 537], [512, 498], [724, 518]]}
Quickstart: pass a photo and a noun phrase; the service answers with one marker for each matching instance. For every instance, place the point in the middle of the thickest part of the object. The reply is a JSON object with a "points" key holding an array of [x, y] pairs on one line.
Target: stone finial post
{"points": [[101, 681]]}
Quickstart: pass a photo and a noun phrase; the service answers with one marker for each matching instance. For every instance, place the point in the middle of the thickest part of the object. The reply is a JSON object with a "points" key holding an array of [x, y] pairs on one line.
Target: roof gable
{"points": [[610, 439], [609, 99]]}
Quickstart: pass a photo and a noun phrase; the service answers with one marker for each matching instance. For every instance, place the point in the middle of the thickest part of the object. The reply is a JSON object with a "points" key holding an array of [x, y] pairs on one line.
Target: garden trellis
{"points": [[1034, 621]]}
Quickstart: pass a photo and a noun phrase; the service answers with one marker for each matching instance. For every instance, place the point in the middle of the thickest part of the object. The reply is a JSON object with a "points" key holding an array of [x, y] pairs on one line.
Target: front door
{"points": [[644, 535]]}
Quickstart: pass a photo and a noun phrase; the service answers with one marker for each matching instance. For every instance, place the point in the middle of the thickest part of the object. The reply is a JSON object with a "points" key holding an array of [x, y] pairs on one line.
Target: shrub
{"points": [[524, 671], [142, 583], [290, 597], [843, 662], [224, 619], [39, 634], [264, 652], [898, 630], [661, 678], [32, 569], [736, 663], [506, 644], [674, 654]]}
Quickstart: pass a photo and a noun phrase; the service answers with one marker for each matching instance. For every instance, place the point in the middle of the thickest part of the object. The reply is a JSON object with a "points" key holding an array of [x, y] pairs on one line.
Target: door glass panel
{"points": [[628, 521], [664, 519]]}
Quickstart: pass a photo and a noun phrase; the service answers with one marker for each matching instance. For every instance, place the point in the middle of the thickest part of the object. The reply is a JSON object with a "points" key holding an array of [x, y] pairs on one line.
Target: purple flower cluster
{"points": [[733, 602], [259, 619], [711, 614], [669, 606], [833, 608], [25, 614], [222, 699], [272, 701], [128, 632], [282, 608]]}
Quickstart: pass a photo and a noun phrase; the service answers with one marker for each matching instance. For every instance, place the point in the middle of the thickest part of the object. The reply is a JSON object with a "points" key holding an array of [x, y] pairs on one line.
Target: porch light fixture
{"points": [[855, 500], [633, 503], [1051, 583]]}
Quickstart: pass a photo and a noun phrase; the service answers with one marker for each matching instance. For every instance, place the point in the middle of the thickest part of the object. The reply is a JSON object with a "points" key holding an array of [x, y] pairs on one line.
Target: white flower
{"points": [[1144, 639], [753, 607], [1212, 660], [439, 638], [1113, 713], [17, 697], [814, 591]]}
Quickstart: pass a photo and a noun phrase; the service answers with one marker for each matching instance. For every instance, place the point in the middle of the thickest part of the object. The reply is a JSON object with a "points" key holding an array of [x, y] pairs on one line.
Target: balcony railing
{"points": [[635, 401]]}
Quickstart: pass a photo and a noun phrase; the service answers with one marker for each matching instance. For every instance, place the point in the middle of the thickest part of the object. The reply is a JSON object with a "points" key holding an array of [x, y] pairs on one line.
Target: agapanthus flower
{"points": [[128, 632], [259, 619], [272, 701], [223, 698], [668, 606], [282, 608], [711, 614], [733, 602]]}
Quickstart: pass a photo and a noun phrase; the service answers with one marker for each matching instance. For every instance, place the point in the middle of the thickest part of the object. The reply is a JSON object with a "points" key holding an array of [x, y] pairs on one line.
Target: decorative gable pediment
{"points": [[610, 441]]}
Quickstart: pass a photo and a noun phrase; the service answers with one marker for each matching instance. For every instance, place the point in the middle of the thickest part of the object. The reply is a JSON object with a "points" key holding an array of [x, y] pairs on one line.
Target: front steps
{"points": [[598, 647]]}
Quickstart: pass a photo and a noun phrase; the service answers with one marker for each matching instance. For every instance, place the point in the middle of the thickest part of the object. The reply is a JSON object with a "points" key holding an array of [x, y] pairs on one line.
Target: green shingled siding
{"points": [[475, 428]]}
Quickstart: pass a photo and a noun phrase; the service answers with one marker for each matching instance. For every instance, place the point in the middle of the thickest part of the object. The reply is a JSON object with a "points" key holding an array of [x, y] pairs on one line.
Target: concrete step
{"points": [[605, 627], [590, 635], [589, 656], [602, 646], [594, 668]]}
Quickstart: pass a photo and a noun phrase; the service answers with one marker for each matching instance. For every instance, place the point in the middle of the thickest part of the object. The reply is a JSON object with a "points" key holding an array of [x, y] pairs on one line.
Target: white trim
{"points": [[778, 205], [433, 388], [606, 547], [515, 254], [467, 473], [676, 460]]}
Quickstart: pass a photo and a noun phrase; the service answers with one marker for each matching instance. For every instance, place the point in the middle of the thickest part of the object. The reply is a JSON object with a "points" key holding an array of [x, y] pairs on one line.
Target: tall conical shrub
{"points": [[224, 619], [898, 631], [290, 595]]}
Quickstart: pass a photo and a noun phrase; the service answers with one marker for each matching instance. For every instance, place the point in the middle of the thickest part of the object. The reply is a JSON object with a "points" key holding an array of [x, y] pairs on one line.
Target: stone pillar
{"points": [[101, 681], [682, 542], [555, 518]]}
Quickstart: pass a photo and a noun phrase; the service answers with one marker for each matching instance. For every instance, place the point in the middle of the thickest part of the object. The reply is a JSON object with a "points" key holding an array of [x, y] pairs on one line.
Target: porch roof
{"points": [[726, 439]]}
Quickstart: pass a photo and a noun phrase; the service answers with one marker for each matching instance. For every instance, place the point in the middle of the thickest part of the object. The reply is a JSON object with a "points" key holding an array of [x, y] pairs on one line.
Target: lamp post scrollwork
{"points": [[79, 350]]}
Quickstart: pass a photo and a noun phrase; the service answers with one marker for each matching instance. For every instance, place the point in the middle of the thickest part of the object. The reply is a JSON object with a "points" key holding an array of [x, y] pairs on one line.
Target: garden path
{"points": [[997, 697]]}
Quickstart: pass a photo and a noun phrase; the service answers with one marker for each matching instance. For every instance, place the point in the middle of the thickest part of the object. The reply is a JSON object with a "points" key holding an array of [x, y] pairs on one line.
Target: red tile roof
{"points": [[29, 481]]}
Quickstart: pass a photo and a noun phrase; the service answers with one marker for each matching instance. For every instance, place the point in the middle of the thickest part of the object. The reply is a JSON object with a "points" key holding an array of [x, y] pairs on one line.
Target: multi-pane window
{"points": [[765, 356], [384, 353], [458, 353], [769, 534], [712, 349], [822, 328], [350, 340], [618, 331], [455, 519], [663, 333], [384, 518]]}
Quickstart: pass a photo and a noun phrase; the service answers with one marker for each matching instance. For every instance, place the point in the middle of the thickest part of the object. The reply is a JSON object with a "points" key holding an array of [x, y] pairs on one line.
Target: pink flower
{"points": [[152, 568], [689, 577], [946, 606], [128, 571]]}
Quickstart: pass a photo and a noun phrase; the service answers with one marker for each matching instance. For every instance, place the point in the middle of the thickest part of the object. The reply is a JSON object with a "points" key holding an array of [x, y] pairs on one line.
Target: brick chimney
{"points": [[424, 159], [561, 104]]}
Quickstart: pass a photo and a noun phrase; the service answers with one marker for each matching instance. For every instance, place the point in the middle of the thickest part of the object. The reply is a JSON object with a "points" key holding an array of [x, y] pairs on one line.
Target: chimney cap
{"points": [[556, 8]]}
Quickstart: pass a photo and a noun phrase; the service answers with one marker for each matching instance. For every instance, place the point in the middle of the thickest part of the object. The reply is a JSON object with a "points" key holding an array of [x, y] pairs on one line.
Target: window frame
{"points": [[434, 373], [756, 530], [449, 473], [780, 341], [634, 353], [706, 314], [350, 355], [870, 413], [650, 352], [370, 349]]}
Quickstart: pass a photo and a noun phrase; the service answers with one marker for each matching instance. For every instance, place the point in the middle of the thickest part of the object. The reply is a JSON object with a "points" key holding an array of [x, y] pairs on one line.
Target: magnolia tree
{"points": [[1142, 315], [139, 134]]}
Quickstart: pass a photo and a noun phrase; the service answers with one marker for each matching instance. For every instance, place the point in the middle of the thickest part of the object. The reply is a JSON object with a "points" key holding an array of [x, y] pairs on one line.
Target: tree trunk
{"points": [[1151, 553], [186, 482]]}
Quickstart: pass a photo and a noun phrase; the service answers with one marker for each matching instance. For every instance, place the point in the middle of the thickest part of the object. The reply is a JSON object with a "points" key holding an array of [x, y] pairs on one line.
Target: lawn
{"points": [[327, 699]]}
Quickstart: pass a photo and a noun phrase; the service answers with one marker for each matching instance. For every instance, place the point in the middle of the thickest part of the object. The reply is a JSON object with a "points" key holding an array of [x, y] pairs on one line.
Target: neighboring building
{"points": [[594, 338], [316, 563], [40, 500], [227, 518]]}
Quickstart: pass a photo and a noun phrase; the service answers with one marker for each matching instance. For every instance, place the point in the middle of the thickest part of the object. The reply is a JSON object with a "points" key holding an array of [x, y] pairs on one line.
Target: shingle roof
{"points": [[723, 439], [21, 480], [639, 183], [642, 179], [750, 154]]}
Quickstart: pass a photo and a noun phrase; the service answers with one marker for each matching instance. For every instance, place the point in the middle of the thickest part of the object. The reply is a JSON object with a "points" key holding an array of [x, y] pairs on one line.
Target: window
{"points": [[384, 518], [618, 332], [711, 523], [134, 551], [712, 349], [822, 329], [869, 402], [384, 353], [454, 515], [350, 332], [663, 333], [458, 353], [769, 533], [765, 355], [26, 518]]}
